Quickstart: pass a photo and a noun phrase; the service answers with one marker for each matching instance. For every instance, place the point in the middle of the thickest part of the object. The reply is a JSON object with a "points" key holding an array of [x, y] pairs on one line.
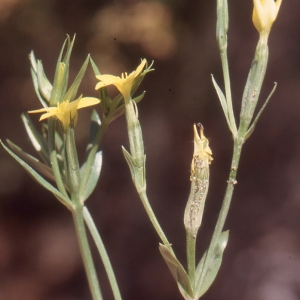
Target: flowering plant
{"points": [[58, 169]]}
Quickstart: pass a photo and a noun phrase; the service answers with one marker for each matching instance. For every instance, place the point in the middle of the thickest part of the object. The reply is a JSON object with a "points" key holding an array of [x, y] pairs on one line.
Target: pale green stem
{"points": [[191, 258], [152, 217], [73, 177], [103, 254], [53, 157], [136, 143], [238, 143], [86, 253]]}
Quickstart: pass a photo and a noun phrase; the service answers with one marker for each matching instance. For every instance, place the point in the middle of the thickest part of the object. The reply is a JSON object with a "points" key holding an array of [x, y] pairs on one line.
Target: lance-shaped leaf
{"points": [[178, 273], [61, 73], [32, 161], [71, 94], [64, 200], [213, 268], [36, 80], [131, 163], [90, 172], [223, 103], [37, 140]]}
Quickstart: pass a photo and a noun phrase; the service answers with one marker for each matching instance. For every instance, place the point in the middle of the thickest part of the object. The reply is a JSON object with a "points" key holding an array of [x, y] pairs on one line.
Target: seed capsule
{"points": [[202, 157]]}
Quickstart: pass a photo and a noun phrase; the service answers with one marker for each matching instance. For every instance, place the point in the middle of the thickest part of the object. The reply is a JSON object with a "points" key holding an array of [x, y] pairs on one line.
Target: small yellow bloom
{"points": [[66, 111], [264, 14], [123, 83]]}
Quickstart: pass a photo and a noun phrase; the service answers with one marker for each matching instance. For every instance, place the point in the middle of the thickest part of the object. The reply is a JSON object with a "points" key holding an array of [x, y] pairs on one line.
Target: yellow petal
{"points": [[140, 68], [123, 83], [71, 107], [48, 115], [45, 109], [87, 101], [100, 85], [110, 79]]}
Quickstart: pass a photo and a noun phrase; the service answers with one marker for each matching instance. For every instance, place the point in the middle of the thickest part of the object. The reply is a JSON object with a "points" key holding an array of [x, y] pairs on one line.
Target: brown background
{"points": [[39, 257]]}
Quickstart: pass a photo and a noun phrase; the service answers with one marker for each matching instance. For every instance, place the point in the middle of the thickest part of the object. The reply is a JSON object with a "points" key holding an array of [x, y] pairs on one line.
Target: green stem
{"points": [[73, 177], [53, 157], [86, 253], [137, 164], [103, 254], [191, 258], [238, 143], [72, 164], [152, 217]]}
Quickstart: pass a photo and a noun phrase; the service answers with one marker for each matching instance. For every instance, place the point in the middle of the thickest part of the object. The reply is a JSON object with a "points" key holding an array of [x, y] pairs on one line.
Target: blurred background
{"points": [[39, 256]]}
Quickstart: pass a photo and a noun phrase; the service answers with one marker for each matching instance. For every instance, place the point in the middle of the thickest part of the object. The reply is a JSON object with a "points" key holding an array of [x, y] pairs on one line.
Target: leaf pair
{"points": [[204, 277]]}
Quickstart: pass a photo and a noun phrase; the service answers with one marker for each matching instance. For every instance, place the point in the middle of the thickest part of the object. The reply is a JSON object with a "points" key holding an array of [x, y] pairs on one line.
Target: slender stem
{"points": [[86, 253], [74, 183], [191, 258], [238, 143], [152, 217], [137, 164], [103, 254], [53, 157]]}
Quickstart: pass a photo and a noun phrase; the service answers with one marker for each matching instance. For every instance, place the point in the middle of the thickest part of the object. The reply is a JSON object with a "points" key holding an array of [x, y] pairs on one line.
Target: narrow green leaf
{"points": [[130, 163], [252, 127], [33, 71], [72, 164], [37, 140], [94, 66], [178, 272], [58, 169], [71, 94], [33, 61], [213, 269], [223, 101], [55, 93], [65, 201], [91, 171], [44, 84], [32, 161], [61, 73]]}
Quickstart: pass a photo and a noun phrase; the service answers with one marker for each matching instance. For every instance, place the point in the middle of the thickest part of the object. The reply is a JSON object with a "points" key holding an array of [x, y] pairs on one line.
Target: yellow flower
{"points": [[264, 14], [123, 83], [66, 111]]}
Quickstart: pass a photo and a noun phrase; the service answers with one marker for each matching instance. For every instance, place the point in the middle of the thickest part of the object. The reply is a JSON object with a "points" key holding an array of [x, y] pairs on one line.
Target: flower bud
{"points": [[264, 14]]}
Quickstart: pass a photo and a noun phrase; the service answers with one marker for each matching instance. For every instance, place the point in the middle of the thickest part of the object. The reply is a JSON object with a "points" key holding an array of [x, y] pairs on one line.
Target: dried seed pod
{"points": [[202, 157]]}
